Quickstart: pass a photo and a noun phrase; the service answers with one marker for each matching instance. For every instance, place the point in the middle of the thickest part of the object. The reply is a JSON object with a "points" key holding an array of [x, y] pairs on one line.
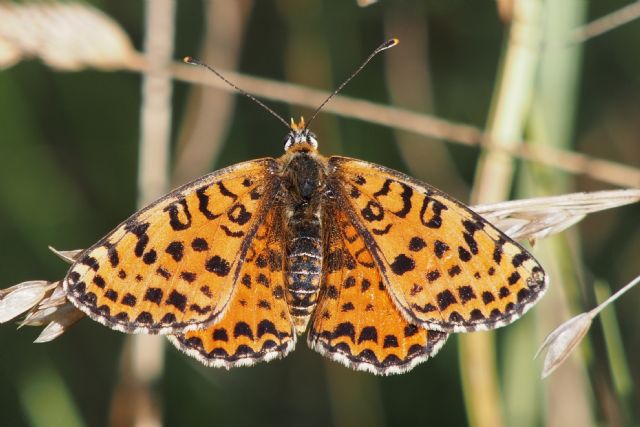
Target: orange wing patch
{"points": [[356, 323], [164, 270], [257, 325], [445, 266]]}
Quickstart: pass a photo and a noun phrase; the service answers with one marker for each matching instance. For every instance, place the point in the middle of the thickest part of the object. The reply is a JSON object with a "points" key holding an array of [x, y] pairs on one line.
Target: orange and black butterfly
{"points": [[379, 267]]}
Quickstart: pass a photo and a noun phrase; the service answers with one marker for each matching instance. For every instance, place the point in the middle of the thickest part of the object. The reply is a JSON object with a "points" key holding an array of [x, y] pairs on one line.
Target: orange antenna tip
{"points": [[384, 46], [388, 44]]}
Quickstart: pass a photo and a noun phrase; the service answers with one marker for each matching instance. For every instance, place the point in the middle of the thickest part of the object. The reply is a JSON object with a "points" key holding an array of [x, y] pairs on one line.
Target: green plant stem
{"points": [[493, 183]]}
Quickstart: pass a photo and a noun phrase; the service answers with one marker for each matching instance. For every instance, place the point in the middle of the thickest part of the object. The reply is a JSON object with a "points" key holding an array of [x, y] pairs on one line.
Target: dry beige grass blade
{"points": [[68, 256], [64, 318], [561, 342], [20, 298], [66, 36], [418, 123], [365, 3], [542, 216], [599, 26]]}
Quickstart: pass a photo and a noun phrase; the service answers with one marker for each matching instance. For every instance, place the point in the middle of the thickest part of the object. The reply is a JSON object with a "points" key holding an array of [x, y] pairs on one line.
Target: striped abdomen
{"points": [[304, 266]]}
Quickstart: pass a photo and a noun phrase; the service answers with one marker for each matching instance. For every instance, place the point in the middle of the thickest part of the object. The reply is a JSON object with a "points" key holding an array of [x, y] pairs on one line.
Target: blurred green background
{"points": [[69, 145]]}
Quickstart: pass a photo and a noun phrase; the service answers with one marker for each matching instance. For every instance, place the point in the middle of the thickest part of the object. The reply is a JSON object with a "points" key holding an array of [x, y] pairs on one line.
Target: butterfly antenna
{"points": [[193, 61], [384, 46]]}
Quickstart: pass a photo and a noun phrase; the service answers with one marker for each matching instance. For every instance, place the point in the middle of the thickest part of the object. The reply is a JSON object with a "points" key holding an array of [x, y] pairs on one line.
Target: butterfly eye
{"points": [[288, 140], [311, 138]]}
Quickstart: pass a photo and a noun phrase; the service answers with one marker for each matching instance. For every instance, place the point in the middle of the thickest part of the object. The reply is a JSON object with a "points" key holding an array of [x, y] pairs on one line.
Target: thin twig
{"points": [[111, 49], [606, 23], [421, 124]]}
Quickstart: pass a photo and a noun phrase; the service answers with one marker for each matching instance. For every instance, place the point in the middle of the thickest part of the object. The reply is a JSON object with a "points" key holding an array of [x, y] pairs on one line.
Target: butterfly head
{"points": [[300, 138]]}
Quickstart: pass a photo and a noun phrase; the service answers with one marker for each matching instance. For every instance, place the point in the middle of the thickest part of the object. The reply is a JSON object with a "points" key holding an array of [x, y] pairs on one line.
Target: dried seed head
{"points": [[65, 317], [68, 256], [20, 298], [561, 342]]}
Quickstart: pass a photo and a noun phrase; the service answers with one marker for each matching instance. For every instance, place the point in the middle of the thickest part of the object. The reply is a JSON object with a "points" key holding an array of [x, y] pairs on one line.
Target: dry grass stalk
{"points": [[561, 342], [599, 26], [66, 36], [70, 36], [542, 216]]}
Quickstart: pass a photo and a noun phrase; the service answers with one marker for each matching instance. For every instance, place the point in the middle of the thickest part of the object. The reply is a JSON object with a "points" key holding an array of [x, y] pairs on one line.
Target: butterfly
{"points": [[379, 267]]}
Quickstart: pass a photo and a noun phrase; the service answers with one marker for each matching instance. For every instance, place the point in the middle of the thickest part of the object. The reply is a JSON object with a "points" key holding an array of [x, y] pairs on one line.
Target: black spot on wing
{"points": [[466, 293], [513, 278], [373, 211], [463, 254], [111, 294], [445, 299], [154, 295], [416, 244], [390, 341], [454, 271], [487, 297], [410, 330], [368, 333], [518, 259], [220, 334], [402, 264], [91, 262], [99, 281], [188, 276], [150, 257], [266, 327], [407, 192], [174, 210], [238, 214], [431, 218], [176, 250], [199, 244], [433, 275], [241, 329], [203, 203], [439, 248], [129, 300], [177, 300], [345, 329], [225, 192], [218, 265]]}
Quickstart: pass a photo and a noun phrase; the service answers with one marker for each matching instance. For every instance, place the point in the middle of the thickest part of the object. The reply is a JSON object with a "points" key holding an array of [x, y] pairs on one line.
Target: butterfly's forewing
{"points": [[444, 266], [257, 325], [173, 265], [356, 322]]}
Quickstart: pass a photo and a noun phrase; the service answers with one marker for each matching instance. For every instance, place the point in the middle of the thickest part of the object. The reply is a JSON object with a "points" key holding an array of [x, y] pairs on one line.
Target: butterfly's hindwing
{"points": [[173, 265], [356, 323], [445, 267], [257, 325]]}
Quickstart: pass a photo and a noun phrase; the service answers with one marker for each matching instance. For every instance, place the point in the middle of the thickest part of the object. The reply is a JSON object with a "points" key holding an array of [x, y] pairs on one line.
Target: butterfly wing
{"points": [[444, 266], [257, 325], [173, 266], [356, 323]]}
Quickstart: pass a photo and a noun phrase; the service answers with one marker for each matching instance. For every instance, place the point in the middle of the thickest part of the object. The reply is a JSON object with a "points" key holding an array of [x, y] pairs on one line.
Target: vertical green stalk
{"points": [[510, 109], [567, 394]]}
